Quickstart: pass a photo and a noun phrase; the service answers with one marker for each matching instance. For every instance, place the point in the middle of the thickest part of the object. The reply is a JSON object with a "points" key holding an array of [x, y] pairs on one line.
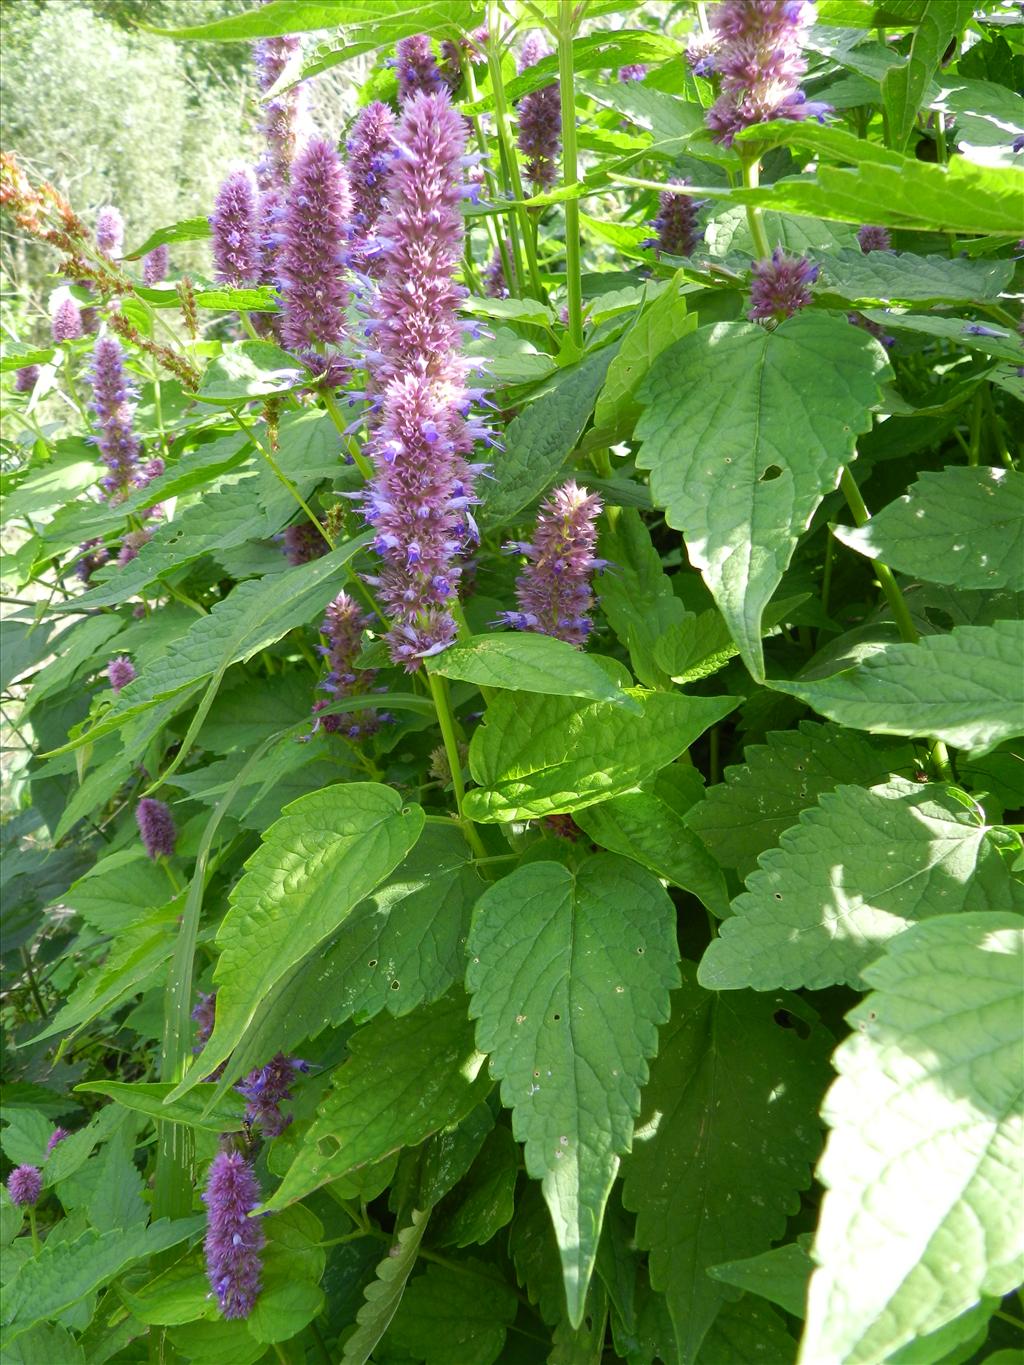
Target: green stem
{"points": [[321, 1345], [939, 755], [751, 180], [446, 720], [279, 474], [974, 449], [34, 1231], [503, 121], [33, 985], [250, 330], [570, 169], [361, 462]]}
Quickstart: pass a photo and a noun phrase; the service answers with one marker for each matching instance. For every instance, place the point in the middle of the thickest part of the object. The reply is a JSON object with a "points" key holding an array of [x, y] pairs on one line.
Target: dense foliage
{"points": [[507, 857]]}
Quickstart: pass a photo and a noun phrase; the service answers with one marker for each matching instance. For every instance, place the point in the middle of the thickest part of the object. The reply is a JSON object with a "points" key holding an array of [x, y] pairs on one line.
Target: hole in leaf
{"points": [[396, 985], [772, 472], [556, 1017], [786, 1020]]}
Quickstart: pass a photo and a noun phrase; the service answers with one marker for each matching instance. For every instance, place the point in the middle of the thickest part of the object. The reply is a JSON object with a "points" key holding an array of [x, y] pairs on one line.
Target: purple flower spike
{"points": [[113, 405], [540, 121], [418, 72], [266, 1088], [110, 231], [235, 225], [203, 1013], [676, 224], [781, 286], [58, 1135], [495, 286], [873, 238], [701, 54], [120, 671], [303, 543], [155, 265], [156, 827], [759, 59], [284, 116], [233, 1239], [67, 321], [342, 631], [371, 146], [553, 590], [24, 1185], [25, 378], [313, 291], [635, 71], [423, 489]]}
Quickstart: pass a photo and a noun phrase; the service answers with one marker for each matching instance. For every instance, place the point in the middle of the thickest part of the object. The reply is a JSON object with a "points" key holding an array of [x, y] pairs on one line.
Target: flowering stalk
{"points": [[266, 1088], [371, 146], [113, 406], [418, 72], [67, 321], [234, 224], [110, 231], [283, 115], [342, 631], [156, 827], [26, 378], [234, 1240], [540, 121], [120, 672], [313, 291], [553, 591], [676, 224], [155, 265], [781, 286]]}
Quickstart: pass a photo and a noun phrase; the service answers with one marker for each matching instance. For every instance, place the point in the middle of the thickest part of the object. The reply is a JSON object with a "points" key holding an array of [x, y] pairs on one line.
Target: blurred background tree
{"points": [[112, 114]]}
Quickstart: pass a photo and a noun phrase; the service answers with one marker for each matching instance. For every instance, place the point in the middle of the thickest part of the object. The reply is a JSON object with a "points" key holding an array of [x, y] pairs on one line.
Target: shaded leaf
{"points": [[451, 1314], [384, 1293]]}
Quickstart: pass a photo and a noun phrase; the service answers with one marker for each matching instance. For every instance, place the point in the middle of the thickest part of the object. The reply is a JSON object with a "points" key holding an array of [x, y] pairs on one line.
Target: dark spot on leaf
{"points": [[772, 472], [791, 1021]]}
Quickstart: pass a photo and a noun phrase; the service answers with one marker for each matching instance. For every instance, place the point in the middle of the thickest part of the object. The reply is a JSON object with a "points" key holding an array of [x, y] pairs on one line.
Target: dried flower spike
{"points": [[110, 231], [781, 286], [540, 121], [553, 590], [120, 672], [24, 1185], [156, 827], [233, 1239], [235, 226], [760, 63], [311, 259], [155, 265]]}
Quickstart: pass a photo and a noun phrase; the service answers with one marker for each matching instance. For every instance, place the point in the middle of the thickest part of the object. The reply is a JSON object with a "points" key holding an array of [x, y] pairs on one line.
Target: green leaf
{"points": [[641, 826], [707, 1183], [741, 451], [524, 662], [45, 1344], [328, 850], [451, 1313], [115, 1201], [75, 650], [187, 230], [538, 755], [656, 328], [64, 1272], [636, 594], [920, 1169], [965, 688], [746, 1331], [904, 86], [852, 874], [998, 342], [540, 439], [200, 1108], [985, 114], [384, 1293], [483, 1202], [14, 355], [119, 890], [307, 16], [744, 815], [253, 615], [248, 369], [405, 1079], [964, 527], [282, 1310], [780, 1275], [901, 277], [570, 974]]}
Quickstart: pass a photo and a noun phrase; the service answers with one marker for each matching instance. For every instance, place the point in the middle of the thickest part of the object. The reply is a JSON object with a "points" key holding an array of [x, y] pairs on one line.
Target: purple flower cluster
{"points": [[342, 631], [203, 1013], [24, 1185], [416, 65], [635, 71], [132, 544], [701, 54], [110, 231], [781, 286], [495, 285], [155, 265], [120, 672], [94, 554], [760, 63], [66, 322], [233, 1239], [312, 255], [58, 1135], [303, 543], [284, 115], [540, 121], [676, 224], [873, 238], [553, 590], [423, 487], [113, 406], [236, 227], [265, 1088], [25, 378], [371, 146], [156, 827]]}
